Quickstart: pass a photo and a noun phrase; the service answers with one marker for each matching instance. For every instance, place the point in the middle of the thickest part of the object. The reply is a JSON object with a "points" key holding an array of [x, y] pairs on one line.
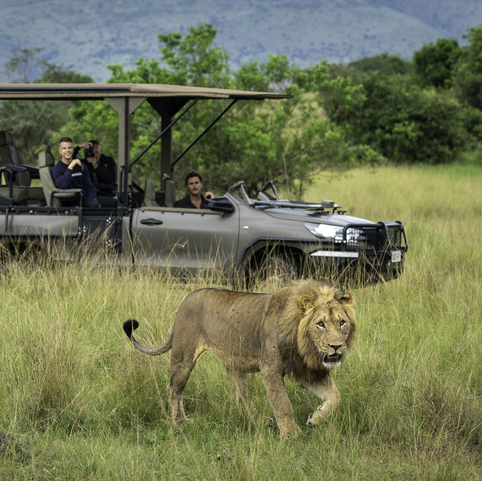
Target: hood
{"points": [[302, 215]]}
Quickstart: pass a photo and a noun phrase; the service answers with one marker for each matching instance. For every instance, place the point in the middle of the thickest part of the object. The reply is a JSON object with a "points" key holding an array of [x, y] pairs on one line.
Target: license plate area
{"points": [[396, 256]]}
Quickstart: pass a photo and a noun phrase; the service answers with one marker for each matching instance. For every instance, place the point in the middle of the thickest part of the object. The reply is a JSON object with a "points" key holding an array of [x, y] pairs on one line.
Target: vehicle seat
{"points": [[53, 195], [24, 179], [10, 155], [11, 194], [9, 188], [150, 194], [6, 142], [170, 197]]}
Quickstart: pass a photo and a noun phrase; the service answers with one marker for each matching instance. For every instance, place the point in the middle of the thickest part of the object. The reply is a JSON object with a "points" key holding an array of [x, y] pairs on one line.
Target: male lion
{"points": [[304, 330]]}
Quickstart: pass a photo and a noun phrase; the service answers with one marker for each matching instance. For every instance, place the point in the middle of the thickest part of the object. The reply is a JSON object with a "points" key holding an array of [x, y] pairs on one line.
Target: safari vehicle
{"points": [[236, 234]]}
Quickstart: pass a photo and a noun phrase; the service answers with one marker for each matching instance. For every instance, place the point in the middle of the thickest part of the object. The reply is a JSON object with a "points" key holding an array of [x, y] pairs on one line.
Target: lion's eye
{"points": [[321, 325], [342, 323]]}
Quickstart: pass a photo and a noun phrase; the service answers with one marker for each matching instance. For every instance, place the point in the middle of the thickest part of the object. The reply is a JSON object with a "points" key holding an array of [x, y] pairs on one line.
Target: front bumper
{"points": [[378, 253]]}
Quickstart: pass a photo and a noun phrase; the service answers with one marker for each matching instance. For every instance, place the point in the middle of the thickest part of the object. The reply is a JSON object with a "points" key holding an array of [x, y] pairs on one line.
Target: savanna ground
{"points": [[83, 404]]}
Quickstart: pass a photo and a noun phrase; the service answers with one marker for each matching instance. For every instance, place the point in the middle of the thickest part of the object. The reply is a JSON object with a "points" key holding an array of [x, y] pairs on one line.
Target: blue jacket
{"points": [[77, 178]]}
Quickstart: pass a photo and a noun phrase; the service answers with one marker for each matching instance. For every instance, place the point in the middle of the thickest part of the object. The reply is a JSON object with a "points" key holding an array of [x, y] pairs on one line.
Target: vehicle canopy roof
{"points": [[92, 91]]}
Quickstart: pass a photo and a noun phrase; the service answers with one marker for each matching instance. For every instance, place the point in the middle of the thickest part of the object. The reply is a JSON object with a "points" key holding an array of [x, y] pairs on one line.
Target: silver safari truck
{"points": [[235, 233]]}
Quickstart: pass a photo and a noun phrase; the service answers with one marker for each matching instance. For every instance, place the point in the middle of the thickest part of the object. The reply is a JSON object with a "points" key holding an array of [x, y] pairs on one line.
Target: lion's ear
{"points": [[347, 299], [304, 302]]}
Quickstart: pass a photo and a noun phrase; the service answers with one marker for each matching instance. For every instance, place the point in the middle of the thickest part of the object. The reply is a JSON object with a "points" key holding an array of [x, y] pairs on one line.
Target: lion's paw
{"points": [[290, 433], [182, 420], [268, 421], [310, 420], [313, 419]]}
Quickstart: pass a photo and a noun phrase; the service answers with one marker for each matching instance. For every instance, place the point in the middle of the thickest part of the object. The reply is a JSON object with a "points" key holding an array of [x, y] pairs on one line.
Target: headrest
{"points": [[45, 159], [5, 138]]}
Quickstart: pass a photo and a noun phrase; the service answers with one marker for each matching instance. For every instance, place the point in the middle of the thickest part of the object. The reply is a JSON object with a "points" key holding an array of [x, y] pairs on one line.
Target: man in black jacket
{"points": [[102, 168], [195, 199]]}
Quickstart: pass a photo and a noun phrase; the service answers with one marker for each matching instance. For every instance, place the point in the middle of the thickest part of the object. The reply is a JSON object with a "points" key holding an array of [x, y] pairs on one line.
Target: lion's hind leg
{"points": [[182, 365], [176, 406]]}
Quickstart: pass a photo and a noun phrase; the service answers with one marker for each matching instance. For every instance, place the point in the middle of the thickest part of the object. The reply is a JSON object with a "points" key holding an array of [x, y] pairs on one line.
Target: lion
{"points": [[303, 330]]}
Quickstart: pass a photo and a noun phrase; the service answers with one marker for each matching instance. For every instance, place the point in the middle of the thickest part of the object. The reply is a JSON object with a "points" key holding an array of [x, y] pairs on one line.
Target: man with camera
{"points": [[71, 173], [195, 199], [102, 169]]}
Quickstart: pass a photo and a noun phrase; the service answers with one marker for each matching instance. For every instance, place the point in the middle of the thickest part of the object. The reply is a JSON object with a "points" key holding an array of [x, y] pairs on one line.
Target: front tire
{"points": [[273, 272]]}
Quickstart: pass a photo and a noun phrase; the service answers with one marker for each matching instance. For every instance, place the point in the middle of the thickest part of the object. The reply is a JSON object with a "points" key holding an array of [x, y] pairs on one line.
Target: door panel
{"points": [[185, 238]]}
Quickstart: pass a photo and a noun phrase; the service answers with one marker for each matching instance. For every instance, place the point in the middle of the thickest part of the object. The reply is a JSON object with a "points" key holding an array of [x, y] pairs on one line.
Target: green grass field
{"points": [[83, 404]]}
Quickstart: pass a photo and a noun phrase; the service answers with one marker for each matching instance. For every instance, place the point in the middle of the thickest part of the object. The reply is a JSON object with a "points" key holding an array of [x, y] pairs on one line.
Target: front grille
{"points": [[395, 236], [373, 239], [361, 239]]}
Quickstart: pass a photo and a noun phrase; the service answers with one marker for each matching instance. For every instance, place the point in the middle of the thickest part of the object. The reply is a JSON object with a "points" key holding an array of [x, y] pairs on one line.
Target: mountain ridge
{"points": [[88, 35]]}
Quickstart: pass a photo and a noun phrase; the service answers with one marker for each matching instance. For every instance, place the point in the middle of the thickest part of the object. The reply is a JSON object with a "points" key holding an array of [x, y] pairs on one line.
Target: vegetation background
{"points": [[83, 404]]}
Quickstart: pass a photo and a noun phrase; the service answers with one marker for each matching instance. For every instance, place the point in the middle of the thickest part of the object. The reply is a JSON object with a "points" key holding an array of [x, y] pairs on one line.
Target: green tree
{"points": [[32, 124], [185, 60], [255, 142], [359, 70], [384, 64], [468, 79], [24, 66], [340, 99], [408, 124], [435, 64], [193, 60]]}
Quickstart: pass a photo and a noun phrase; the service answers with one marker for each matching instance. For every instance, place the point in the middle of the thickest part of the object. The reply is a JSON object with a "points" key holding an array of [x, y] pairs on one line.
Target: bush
{"points": [[408, 124]]}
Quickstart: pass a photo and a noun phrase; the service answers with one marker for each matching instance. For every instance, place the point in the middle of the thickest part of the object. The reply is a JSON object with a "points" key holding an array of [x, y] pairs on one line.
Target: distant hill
{"points": [[91, 34]]}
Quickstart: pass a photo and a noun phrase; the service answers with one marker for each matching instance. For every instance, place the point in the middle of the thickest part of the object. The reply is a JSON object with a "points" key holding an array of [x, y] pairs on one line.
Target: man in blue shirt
{"points": [[70, 173]]}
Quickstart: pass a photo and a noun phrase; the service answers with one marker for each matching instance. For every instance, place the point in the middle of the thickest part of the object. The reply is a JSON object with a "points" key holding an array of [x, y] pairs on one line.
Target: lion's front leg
{"points": [[240, 385], [329, 393], [278, 398], [240, 391]]}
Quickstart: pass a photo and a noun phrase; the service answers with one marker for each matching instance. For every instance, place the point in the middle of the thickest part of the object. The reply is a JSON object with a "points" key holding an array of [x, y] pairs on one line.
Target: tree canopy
{"points": [[255, 142], [33, 124]]}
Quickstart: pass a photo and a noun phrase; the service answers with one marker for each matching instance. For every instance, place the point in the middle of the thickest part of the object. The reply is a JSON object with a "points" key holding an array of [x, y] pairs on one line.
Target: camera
{"points": [[89, 152]]}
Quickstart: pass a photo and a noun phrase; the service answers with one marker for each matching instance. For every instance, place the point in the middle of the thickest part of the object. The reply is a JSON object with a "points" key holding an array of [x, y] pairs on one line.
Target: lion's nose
{"points": [[335, 346]]}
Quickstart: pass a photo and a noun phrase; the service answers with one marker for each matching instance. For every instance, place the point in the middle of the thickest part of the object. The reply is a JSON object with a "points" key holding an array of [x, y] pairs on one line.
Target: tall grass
{"points": [[82, 403]]}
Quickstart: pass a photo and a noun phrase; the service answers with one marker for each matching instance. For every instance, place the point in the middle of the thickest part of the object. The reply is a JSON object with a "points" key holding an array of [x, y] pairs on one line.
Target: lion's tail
{"points": [[131, 325]]}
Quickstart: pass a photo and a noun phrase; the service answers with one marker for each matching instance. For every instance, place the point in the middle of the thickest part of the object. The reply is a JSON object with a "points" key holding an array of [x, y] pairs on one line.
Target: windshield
{"points": [[237, 190]]}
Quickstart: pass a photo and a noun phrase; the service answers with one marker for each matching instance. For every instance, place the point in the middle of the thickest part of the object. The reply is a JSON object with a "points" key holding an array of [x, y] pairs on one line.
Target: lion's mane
{"points": [[300, 307]]}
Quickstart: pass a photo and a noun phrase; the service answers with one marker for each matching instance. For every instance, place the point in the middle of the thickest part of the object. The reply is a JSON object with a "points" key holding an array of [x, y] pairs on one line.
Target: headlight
{"points": [[335, 232], [326, 231]]}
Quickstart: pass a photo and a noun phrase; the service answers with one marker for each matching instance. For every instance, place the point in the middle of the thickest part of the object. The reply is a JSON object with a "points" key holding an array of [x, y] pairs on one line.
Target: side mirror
{"points": [[221, 204]]}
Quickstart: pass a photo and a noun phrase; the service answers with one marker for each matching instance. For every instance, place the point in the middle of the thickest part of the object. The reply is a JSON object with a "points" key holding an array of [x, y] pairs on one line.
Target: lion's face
{"points": [[326, 329], [329, 330]]}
